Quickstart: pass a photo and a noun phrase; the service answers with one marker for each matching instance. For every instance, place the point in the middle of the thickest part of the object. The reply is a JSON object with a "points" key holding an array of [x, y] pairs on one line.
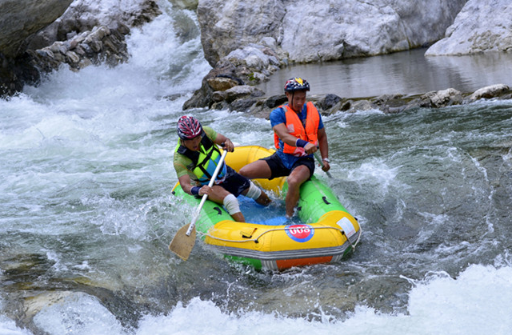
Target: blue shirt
{"points": [[278, 116]]}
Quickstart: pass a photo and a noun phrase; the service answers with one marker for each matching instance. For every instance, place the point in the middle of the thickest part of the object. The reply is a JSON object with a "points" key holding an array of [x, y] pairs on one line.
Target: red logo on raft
{"points": [[300, 232]]}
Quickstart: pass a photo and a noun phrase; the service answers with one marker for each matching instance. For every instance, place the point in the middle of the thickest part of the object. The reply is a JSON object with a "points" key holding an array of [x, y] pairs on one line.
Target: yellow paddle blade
{"points": [[182, 244]]}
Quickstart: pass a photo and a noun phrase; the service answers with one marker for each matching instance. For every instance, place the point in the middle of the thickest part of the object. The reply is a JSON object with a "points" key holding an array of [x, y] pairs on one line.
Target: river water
{"points": [[408, 72], [86, 212]]}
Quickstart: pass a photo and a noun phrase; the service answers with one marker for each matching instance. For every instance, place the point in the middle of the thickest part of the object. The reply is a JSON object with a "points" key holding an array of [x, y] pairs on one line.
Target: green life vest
{"points": [[204, 161]]}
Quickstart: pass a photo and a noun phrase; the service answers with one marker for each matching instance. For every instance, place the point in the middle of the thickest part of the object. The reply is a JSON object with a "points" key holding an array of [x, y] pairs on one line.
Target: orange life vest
{"points": [[295, 127]]}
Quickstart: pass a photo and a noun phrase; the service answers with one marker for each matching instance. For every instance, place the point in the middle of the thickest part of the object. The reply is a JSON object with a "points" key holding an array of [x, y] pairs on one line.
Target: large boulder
{"points": [[481, 26], [489, 92], [227, 25], [85, 15], [22, 18], [185, 4], [319, 30], [39, 36]]}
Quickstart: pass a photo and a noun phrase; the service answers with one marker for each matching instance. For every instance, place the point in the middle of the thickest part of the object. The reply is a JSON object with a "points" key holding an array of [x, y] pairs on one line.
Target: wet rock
{"points": [[489, 92], [276, 100], [203, 97], [87, 32], [361, 105], [33, 305], [242, 105], [14, 73], [185, 4], [329, 101], [395, 103], [442, 98], [90, 47]]}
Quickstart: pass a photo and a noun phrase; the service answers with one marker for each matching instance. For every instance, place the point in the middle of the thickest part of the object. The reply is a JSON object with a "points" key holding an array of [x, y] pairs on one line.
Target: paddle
{"points": [[319, 159], [185, 238]]}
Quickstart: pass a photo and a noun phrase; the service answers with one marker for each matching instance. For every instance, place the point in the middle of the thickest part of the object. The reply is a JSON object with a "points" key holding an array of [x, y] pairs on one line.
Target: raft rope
{"points": [[255, 240]]}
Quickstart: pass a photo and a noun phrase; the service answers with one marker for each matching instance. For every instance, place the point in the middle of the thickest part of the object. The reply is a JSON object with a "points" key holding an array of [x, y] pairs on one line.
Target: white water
{"points": [[89, 153], [479, 301]]}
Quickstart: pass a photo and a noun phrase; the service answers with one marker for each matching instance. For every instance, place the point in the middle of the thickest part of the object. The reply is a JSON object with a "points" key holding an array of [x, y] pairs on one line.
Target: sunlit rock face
{"points": [[319, 30], [481, 26]]}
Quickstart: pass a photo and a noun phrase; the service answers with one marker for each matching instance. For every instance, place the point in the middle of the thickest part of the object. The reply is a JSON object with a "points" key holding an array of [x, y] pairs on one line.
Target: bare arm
{"points": [[186, 185], [324, 148], [220, 139]]}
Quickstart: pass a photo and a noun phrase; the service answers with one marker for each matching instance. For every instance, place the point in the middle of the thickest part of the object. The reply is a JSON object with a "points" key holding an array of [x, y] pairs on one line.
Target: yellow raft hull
{"points": [[329, 231]]}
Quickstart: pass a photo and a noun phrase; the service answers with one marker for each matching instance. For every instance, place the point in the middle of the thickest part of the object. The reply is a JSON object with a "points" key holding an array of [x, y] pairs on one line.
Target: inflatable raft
{"points": [[326, 233]]}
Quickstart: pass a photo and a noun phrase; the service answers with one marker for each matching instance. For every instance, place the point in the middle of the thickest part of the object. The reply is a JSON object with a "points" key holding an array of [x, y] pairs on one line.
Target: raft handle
{"points": [[324, 198], [219, 212], [247, 233]]}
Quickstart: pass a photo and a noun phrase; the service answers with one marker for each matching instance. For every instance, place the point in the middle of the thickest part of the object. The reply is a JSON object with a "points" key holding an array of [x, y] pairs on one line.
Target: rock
{"points": [[242, 105], [318, 30], [228, 25], [87, 32], [91, 47], [481, 26], [395, 103], [35, 304], [276, 100], [203, 97], [490, 92], [242, 91], [361, 105], [185, 4], [442, 98], [328, 101], [22, 18], [221, 84]]}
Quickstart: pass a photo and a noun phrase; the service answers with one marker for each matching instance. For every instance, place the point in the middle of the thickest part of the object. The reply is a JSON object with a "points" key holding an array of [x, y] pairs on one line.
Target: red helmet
{"points": [[188, 127], [296, 84]]}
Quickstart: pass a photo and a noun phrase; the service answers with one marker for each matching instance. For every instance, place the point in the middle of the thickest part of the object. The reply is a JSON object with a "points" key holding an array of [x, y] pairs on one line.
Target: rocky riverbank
{"points": [[37, 37], [246, 42], [247, 99]]}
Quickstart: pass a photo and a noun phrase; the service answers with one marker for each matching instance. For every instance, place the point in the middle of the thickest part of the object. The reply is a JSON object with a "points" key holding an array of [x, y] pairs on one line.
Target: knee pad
{"points": [[231, 204], [254, 192]]}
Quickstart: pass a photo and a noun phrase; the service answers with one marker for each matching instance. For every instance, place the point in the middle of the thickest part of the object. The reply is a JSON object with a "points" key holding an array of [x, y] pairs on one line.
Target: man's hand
{"points": [[326, 167], [228, 145], [310, 148], [205, 190]]}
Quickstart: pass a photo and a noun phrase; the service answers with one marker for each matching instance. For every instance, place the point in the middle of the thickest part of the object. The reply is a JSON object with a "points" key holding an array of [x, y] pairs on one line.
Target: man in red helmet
{"points": [[298, 133], [195, 158]]}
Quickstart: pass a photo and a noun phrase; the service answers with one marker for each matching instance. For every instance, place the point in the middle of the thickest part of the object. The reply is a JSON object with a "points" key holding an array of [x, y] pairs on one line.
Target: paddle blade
{"points": [[182, 244]]}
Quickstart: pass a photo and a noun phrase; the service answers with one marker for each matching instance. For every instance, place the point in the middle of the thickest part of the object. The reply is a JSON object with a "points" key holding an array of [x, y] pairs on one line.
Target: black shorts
{"points": [[234, 182], [279, 170]]}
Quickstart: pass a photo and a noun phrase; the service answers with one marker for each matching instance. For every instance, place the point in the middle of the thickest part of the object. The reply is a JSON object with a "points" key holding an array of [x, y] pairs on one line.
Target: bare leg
{"points": [[257, 169], [263, 199], [238, 217], [298, 176], [217, 195]]}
